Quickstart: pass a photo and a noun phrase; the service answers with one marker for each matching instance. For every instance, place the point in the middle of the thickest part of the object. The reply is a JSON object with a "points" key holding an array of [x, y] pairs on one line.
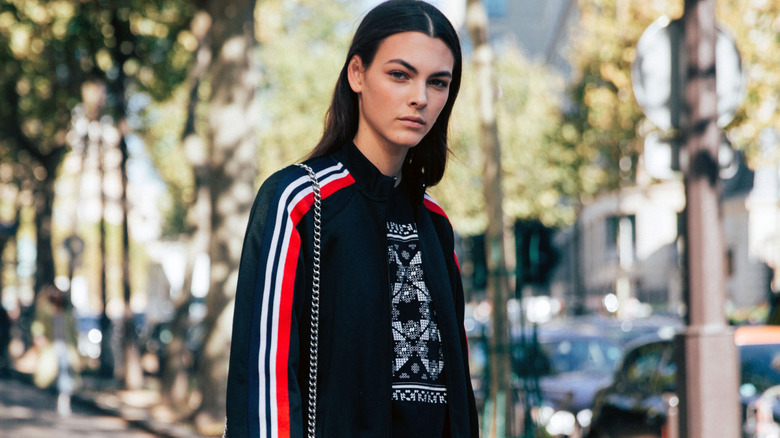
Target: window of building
{"points": [[729, 263], [614, 242]]}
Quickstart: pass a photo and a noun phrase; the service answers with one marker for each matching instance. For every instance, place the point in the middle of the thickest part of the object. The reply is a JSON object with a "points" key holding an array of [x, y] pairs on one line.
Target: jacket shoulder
{"points": [[284, 185], [434, 207]]}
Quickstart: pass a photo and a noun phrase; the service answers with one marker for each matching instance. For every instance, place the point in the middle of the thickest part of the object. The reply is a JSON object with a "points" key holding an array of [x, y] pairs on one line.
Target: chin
{"points": [[408, 141]]}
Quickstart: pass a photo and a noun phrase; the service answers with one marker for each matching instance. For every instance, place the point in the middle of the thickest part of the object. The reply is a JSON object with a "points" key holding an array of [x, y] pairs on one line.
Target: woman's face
{"points": [[402, 92]]}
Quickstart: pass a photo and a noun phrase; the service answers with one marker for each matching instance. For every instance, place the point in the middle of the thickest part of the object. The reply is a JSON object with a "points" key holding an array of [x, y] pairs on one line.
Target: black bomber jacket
{"points": [[269, 357]]}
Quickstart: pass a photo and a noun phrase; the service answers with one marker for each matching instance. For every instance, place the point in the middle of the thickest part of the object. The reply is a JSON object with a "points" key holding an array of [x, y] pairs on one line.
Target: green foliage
{"points": [[603, 124], [162, 130], [537, 169], [302, 50], [301, 47], [755, 27], [48, 49], [606, 126]]}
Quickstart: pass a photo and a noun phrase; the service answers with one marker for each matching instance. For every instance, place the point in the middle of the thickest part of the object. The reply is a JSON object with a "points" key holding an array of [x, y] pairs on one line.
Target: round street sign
{"points": [[661, 156], [657, 74]]}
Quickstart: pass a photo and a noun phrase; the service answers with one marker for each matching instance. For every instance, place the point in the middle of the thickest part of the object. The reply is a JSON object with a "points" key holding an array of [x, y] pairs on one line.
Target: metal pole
{"points": [[708, 375]]}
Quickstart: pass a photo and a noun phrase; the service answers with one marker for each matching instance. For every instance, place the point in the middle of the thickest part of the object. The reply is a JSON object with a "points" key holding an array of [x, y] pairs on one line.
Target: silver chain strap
{"points": [[315, 302], [315, 305]]}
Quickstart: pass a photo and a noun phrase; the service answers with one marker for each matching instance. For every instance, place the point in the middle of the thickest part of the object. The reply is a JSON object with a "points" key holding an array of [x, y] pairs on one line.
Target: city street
{"points": [[28, 412]]}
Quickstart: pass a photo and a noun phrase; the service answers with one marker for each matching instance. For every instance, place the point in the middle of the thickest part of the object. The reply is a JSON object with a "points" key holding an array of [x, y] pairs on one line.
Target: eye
{"points": [[439, 83], [398, 75]]}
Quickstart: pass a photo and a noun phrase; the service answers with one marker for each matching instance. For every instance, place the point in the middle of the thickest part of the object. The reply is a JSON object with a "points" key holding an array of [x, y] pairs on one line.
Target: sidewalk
{"points": [[29, 412], [141, 408]]}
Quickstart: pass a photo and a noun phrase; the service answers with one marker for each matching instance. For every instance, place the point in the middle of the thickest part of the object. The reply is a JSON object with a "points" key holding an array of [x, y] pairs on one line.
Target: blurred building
{"points": [[539, 28], [624, 254], [624, 244], [625, 249]]}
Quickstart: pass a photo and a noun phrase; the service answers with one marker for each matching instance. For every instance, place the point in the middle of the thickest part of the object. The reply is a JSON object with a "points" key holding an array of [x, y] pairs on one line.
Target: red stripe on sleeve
{"points": [[286, 303], [431, 205], [283, 344], [434, 207], [334, 186]]}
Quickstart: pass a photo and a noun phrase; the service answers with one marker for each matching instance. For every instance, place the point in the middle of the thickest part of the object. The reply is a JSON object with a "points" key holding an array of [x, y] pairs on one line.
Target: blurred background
{"points": [[135, 133]]}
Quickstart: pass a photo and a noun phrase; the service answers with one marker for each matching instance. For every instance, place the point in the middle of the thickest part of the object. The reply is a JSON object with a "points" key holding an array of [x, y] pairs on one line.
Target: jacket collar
{"points": [[368, 178]]}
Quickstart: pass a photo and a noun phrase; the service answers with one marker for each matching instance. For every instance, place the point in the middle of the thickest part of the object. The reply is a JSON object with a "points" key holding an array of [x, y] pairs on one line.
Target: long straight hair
{"points": [[428, 159]]}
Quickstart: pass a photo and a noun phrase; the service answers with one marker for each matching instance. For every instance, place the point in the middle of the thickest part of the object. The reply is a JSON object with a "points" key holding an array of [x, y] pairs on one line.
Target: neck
{"points": [[389, 160]]}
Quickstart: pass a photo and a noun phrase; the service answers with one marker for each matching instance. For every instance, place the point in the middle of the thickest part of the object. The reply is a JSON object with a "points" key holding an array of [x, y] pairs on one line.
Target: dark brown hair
{"points": [[428, 159]]}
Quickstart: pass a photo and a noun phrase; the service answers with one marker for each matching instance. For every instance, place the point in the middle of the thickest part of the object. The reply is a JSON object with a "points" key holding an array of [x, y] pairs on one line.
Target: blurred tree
{"points": [[605, 126], [48, 50], [232, 76], [188, 204], [284, 30], [7, 232], [755, 26], [538, 171], [602, 126], [31, 136], [303, 46], [492, 192]]}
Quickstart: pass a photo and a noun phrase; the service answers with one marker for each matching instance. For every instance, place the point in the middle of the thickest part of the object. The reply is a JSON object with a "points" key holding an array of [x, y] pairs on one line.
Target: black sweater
{"points": [[268, 375]]}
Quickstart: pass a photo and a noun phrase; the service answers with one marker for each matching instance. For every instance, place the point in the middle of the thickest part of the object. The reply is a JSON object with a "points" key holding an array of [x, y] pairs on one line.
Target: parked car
{"points": [[635, 403], [625, 331], [561, 368], [761, 415], [575, 357]]}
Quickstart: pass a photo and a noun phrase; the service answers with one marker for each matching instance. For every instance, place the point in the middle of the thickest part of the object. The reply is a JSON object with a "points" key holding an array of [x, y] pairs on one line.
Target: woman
{"points": [[392, 354]]}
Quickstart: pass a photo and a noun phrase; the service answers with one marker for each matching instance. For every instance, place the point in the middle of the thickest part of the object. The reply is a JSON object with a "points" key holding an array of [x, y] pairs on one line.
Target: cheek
{"points": [[378, 94], [441, 101], [377, 101]]}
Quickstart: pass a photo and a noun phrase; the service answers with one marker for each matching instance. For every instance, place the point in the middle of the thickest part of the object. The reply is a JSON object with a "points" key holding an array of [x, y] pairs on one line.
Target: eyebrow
{"points": [[411, 68]]}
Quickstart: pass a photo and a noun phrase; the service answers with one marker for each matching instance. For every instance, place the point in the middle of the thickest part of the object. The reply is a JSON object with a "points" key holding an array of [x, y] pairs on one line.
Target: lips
{"points": [[413, 121]]}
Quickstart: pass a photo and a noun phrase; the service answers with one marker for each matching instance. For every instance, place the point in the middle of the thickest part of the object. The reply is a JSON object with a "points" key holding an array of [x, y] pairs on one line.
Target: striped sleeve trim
{"points": [[433, 206], [275, 285]]}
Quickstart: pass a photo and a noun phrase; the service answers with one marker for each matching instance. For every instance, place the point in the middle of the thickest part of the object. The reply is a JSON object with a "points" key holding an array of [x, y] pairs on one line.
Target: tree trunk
{"points": [[44, 201], [497, 285], [178, 361], [132, 372], [231, 136], [42, 177], [106, 326], [7, 231]]}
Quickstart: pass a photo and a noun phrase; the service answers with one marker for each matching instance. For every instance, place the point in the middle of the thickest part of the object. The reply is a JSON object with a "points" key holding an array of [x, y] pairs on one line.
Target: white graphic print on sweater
{"points": [[418, 359]]}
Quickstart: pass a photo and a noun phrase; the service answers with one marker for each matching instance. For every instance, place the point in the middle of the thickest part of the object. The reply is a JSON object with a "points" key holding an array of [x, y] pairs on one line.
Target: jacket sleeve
{"points": [[263, 396], [446, 237], [460, 305]]}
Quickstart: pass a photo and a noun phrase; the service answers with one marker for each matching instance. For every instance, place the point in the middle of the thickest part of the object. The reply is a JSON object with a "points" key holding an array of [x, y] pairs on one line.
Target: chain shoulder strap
{"points": [[315, 302], [315, 305]]}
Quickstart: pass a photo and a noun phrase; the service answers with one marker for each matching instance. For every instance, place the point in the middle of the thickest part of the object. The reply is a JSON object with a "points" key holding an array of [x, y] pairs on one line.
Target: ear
{"points": [[355, 72]]}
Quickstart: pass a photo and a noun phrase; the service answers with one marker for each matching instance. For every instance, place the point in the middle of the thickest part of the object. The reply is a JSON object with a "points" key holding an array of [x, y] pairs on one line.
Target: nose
{"points": [[418, 95]]}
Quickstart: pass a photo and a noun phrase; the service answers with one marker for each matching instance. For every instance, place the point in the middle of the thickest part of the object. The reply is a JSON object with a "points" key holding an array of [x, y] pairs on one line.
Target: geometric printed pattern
{"points": [[418, 358]]}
